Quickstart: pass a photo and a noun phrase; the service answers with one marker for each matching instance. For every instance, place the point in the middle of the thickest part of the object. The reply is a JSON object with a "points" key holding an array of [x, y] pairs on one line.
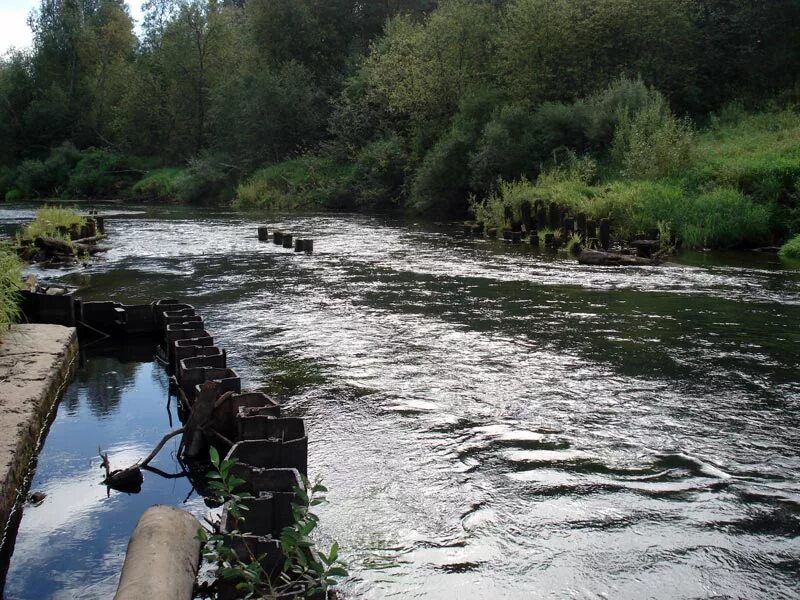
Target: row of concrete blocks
{"points": [[271, 451], [281, 238]]}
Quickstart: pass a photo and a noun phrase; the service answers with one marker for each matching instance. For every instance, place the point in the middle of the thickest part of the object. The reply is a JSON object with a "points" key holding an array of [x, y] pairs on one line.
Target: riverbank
{"points": [[36, 363]]}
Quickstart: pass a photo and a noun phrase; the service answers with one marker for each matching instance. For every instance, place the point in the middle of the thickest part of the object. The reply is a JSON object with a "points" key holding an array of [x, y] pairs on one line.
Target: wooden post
{"points": [[287, 240], [527, 220], [548, 239], [277, 237], [554, 216], [580, 223], [308, 246], [605, 234], [263, 234], [534, 238], [298, 245]]}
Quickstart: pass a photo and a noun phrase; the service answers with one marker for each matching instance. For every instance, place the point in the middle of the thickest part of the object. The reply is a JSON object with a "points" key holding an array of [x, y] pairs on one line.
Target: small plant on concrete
{"points": [[306, 572]]}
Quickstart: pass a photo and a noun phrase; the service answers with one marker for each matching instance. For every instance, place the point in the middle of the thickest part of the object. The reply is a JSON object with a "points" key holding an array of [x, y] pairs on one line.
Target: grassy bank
{"points": [[737, 186]]}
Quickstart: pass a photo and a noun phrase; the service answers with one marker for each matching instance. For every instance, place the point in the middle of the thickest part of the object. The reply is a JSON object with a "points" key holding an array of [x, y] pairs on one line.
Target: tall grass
{"points": [[10, 273], [48, 220]]}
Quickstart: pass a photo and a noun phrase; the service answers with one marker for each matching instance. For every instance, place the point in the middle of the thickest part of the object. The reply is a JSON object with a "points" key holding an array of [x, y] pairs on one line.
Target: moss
{"points": [[159, 184]]}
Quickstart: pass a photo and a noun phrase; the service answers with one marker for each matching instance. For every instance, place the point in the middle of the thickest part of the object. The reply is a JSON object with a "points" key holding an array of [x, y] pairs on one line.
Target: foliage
{"points": [[652, 142], [48, 221], [306, 571], [158, 184], [791, 249], [207, 179], [100, 174], [298, 183], [10, 279], [49, 177]]}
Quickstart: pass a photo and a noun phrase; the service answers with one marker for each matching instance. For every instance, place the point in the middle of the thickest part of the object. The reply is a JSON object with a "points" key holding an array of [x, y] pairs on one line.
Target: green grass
{"points": [[10, 274], [299, 183], [159, 184], [48, 221], [791, 249]]}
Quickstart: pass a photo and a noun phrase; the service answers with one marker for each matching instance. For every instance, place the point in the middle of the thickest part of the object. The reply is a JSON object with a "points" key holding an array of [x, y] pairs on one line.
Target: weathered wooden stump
{"points": [[605, 234], [277, 237], [548, 239], [308, 246], [287, 240], [580, 225], [298, 245], [507, 235], [263, 234], [534, 238], [516, 237], [591, 229], [492, 232]]}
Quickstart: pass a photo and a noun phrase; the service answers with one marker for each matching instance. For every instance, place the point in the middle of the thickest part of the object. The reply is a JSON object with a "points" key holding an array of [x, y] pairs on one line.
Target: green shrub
{"points": [[10, 279], [305, 182], [42, 178], [7, 178], [651, 142], [379, 172], [791, 249], [159, 184], [100, 174], [14, 195], [207, 179]]}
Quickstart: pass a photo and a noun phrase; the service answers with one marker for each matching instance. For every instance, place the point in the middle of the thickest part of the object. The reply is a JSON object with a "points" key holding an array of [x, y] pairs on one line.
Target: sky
{"points": [[14, 30]]}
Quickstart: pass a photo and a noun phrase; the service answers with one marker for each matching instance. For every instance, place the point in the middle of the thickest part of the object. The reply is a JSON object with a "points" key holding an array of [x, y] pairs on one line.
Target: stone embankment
{"points": [[36, 364]]}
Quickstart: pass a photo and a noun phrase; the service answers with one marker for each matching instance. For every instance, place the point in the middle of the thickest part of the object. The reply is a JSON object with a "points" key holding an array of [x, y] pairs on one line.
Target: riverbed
{"points": [[492, 421]]}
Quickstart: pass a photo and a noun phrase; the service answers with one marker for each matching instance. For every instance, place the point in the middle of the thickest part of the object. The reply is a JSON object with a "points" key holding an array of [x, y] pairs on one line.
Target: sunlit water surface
{"points": [[492, 422]]}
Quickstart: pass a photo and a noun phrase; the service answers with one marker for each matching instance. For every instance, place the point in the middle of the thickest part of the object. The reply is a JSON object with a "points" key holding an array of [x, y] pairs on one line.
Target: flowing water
{"points": [[492, 421]]}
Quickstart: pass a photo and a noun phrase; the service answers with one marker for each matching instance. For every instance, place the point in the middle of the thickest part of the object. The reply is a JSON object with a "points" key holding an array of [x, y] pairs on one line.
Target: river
{"points": [[491, 421]]}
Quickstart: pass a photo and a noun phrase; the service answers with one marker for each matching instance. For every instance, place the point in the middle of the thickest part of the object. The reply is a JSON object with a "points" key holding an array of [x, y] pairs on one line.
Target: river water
{"points": [[491, 421]]}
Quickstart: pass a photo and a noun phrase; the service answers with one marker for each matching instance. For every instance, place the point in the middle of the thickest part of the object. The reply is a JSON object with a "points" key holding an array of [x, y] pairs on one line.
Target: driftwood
{"points": [[91, 240], [595, 257], [196, 433], [54, 246], [90, 248]]}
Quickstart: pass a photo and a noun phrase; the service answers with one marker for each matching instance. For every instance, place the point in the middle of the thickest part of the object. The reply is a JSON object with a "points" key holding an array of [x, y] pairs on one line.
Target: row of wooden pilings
{"points": [[271, 450], [282, 238], [537, 216]]}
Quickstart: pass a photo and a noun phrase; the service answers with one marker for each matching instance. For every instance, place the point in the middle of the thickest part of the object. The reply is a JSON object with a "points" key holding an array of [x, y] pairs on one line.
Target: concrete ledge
{"points": [[36, 364]]}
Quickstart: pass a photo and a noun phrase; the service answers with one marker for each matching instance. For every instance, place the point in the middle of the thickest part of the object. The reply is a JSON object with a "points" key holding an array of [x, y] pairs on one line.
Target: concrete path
{"points": [[36, 364]]}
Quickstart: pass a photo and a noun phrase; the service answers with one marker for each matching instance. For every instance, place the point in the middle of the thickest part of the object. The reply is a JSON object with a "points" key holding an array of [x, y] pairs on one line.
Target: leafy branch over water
{"points": [[306, 571]]}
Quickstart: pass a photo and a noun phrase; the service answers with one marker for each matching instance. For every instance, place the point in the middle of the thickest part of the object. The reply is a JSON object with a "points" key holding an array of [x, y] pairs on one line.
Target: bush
{"points": [[7, 178], [205, 180], [379, 172], [100, 174], [10, 279], [791, 249], [651, 142], [37, 178], [14, 195], [305, 182], [159, 184]]}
